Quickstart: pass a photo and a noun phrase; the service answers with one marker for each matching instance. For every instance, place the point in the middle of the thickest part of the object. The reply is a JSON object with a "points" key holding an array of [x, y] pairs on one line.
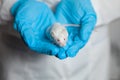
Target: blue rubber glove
{"points": [[31, 19], [78, 12]]}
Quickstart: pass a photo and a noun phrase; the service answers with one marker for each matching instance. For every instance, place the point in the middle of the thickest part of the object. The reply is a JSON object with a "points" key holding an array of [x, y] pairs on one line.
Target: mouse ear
{"points": [[52, 34]]}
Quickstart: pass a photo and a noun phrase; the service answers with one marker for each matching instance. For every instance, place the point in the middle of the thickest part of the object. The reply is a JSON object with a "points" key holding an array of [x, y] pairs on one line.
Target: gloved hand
{"points": [[31, 19], [76, 12]]}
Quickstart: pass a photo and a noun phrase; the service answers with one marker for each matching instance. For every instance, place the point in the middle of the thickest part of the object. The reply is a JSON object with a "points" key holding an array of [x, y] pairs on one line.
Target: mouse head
{"points": [[59, 34]]}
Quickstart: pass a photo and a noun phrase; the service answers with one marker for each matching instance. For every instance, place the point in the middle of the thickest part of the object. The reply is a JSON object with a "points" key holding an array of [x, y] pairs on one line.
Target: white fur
{"points": [[60, 34]]}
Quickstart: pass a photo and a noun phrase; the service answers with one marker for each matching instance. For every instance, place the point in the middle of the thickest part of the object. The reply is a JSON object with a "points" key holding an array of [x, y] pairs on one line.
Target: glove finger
{"points": [[74, 49], [41, 46], [61, 55], [88, 21], [87, 27], [62, 13]]}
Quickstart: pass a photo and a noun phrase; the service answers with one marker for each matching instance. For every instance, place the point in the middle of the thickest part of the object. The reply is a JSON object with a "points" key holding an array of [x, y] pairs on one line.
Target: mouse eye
{"points": [[58, 40]]}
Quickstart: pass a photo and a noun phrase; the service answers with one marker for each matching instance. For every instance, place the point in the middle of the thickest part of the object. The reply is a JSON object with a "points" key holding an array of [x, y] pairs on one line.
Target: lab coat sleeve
{"points": [[5, 6]]}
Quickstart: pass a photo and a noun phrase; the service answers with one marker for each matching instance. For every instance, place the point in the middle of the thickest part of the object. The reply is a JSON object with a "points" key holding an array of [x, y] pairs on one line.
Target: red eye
{"points": [[58, 40]]}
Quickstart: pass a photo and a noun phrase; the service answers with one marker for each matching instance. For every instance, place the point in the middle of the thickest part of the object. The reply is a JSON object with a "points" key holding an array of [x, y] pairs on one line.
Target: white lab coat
{"points": [[17, 62]]}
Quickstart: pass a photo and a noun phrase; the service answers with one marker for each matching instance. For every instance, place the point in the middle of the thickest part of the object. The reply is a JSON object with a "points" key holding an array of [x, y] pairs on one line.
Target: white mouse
{"points": [[59, 34]]}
